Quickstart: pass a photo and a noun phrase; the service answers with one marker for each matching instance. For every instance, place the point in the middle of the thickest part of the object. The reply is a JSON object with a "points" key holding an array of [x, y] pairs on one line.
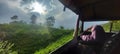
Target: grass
{"points": [[55, 45]]}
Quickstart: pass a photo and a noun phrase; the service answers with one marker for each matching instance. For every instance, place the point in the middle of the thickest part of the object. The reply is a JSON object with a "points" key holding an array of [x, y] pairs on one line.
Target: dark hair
{"points": [[100, 33], [99, 28]]}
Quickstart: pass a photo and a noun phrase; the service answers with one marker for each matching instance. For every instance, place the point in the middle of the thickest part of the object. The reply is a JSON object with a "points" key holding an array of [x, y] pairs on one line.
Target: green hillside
{"points": [[116, 26], [34, 39], [60, 42]]}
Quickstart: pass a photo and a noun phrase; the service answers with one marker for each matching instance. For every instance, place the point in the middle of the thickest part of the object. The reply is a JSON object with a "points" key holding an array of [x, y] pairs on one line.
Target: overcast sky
{"points": [[25, 8]]}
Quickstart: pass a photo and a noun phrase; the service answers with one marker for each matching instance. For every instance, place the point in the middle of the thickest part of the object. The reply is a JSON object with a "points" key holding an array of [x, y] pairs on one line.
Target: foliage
{"points": [[16, 21], [5, 48], [116, 26], [28, 39], [51, 47], [61, 27], [50, 21], [15, 17], [33, 19]]}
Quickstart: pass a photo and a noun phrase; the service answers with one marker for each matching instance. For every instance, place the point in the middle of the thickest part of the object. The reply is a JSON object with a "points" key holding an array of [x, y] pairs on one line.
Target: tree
{"points": [[14, 18], [50, 21], [22, 22], [61, 27], [33, 19]]}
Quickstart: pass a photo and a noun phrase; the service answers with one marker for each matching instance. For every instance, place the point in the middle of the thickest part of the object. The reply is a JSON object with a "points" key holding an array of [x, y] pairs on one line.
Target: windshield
{"points": [[93, 23], [105, 24]]}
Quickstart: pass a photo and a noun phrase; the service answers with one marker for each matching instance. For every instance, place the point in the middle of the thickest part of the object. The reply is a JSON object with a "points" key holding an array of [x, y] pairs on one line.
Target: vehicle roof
{"points": [[94, 10]]}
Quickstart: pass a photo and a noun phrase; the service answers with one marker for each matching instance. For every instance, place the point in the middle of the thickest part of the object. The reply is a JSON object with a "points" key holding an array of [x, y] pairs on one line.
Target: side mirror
{"points": [[64, 9]]}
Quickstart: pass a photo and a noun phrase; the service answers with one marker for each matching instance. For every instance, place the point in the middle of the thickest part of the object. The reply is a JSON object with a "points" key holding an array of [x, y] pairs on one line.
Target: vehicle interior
{"points": [[89, 11]]}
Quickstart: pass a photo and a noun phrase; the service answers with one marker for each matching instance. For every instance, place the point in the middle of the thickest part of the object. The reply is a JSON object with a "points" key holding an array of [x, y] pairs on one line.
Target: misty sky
{"points": [[42, 8]]}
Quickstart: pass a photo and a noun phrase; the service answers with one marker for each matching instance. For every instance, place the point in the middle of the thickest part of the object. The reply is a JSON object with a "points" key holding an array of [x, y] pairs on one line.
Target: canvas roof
{"points": [[94, 10]]}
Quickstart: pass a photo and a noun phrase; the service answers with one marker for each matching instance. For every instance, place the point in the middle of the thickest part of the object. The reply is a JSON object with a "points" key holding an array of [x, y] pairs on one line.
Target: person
{"points": [[95, 38], [97, 35]]}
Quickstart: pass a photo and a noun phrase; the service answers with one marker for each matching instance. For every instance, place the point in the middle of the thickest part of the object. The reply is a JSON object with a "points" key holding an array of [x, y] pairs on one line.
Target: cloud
{"points": [[66, 19], [12, 4], [8, 8], [55, 8], [22, 8]]}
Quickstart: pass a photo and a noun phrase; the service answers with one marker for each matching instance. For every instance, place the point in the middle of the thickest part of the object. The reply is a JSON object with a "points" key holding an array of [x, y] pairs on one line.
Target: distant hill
{"points": [[29, 39], [116, 26]]}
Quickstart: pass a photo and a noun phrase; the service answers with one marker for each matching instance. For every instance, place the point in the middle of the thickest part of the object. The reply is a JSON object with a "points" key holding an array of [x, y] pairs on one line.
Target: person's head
{"points": [[97, 27]]}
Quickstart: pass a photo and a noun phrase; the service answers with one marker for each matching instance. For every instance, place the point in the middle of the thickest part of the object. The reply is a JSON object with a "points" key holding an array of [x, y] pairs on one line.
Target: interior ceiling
{"points": [[94, 10]]}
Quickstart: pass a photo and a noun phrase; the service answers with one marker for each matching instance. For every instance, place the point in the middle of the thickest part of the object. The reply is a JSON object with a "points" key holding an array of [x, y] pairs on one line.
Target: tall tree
{"points": [[14, 18], [61, 27], [33, 19], [50, 21]]}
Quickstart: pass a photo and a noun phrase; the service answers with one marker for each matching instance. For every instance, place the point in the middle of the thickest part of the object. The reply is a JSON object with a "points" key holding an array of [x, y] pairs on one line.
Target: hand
{"points": [[89, 28]]}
